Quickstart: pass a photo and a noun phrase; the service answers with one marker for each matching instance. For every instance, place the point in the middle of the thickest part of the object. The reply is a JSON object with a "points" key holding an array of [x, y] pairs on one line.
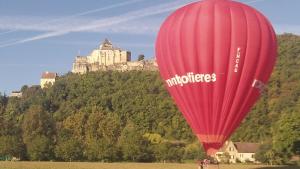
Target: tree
{"points": [[3, 103], [194, 151], [168, 151], [286, 135], [39, 148], [102, 150], [262, 155], [11, 143], [11, 146], [75, 124], [102, 133], [141, 57], [69, 150], [103, 116], [38, 131], [134, 146]]}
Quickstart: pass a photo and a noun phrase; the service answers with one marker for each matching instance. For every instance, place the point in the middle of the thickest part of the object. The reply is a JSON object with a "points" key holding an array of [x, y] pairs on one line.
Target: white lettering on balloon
{"points": [[237, 60], [191, 78]]}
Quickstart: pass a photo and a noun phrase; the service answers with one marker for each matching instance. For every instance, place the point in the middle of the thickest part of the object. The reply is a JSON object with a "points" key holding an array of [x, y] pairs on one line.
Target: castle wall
{"points": [[102, 58], [94, 56], [117, 58], [109, 58], [80, 65], [125, 56], [81, 68]]}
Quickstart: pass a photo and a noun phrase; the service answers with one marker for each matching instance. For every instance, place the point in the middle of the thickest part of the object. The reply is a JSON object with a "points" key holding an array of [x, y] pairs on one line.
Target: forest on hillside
{"points": [[113, 116]]}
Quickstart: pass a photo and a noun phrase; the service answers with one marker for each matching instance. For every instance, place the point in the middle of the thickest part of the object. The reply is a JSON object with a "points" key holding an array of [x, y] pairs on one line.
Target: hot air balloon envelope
{"points": [[215, 57]]}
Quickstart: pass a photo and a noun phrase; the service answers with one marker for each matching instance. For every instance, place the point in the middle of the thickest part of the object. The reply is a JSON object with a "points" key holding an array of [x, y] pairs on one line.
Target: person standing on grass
{"points": [[205, 163], [200, 164]]}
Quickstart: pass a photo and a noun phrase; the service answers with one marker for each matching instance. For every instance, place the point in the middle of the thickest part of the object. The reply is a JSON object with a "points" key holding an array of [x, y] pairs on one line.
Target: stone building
{"points": [[47, 79], [17, 94], [105, 55], [108, 57]]}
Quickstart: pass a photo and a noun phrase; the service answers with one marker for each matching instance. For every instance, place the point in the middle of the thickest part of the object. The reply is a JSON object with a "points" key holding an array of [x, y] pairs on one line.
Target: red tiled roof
{"points": [[49, 75], [246, 147]]}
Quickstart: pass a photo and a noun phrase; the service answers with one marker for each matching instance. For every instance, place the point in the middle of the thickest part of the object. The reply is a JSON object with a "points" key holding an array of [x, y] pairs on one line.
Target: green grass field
{"points": [[82, 165]]}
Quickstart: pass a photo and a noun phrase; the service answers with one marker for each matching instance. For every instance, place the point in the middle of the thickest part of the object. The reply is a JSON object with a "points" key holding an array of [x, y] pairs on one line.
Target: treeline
{"points": [[129, 116], [275, 120], [102, 116]]}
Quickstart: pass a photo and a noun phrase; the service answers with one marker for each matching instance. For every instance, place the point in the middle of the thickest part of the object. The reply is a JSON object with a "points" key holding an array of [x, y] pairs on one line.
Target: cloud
{"points": [[34, 23], [103, 24], [150, 25], [91, 43], [42, 24], [78, 24], [14, 24]]}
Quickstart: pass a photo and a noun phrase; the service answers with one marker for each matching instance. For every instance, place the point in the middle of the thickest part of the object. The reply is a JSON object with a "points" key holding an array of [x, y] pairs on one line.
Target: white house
{"points": [[16, 94], [47, 79], [238, 151]]}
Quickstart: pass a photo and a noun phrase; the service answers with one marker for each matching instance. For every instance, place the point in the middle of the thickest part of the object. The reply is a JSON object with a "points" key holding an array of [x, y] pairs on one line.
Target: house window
{"points": [[241, 155], [232, 156], [252, 155]]}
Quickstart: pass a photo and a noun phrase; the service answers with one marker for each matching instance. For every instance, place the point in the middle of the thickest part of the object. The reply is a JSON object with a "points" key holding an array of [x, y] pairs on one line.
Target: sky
{"points": [[46, 35]]}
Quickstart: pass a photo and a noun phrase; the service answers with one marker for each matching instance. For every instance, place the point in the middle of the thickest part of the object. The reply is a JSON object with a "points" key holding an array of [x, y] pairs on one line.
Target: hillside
{"points": [[113, 116], [282, 95]]}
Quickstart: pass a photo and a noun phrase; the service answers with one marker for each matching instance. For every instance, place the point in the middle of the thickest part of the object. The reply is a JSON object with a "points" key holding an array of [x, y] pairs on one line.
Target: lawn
{"points": [[81, 165]]}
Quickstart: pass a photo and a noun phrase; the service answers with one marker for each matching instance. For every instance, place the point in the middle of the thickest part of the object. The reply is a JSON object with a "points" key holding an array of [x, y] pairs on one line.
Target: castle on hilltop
{"points": [[108, 57]]}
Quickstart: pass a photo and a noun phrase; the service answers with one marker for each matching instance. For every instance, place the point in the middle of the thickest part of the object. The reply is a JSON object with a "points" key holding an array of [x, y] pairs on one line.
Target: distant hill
{"points": [[129, 116]]}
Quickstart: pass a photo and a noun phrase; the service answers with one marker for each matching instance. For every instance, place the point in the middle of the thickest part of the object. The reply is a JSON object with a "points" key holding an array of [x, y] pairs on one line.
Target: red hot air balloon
{"points": [[215, 57]]}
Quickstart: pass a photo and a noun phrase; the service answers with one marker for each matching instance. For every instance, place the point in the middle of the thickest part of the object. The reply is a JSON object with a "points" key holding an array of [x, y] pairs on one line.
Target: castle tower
{"points": [[106, 45]]}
